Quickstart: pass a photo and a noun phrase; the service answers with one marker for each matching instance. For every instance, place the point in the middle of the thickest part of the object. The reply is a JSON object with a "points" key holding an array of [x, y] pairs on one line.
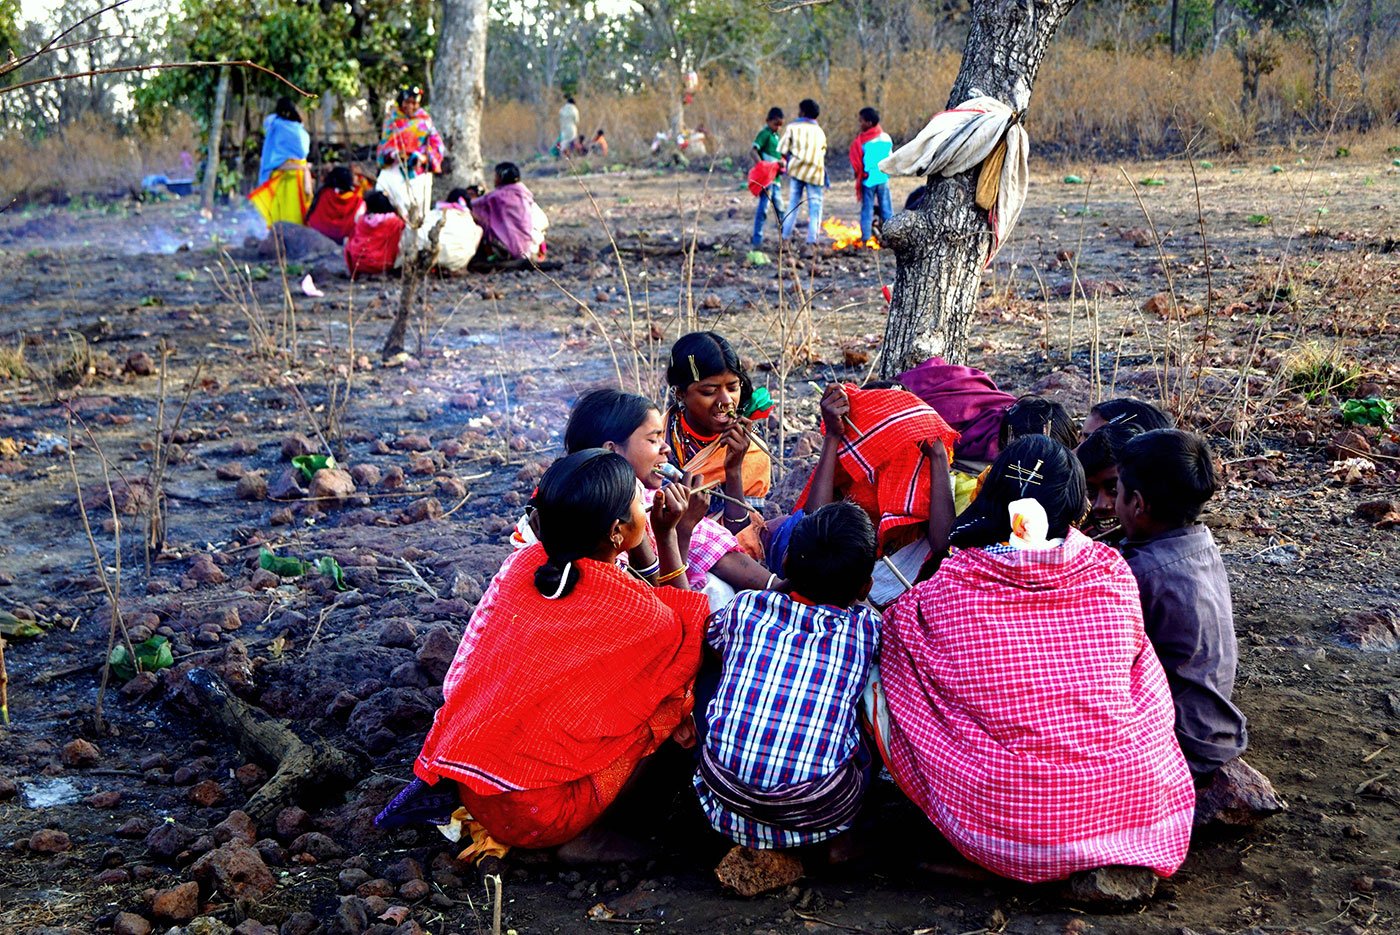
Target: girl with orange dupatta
{"points": [[284, 179], [709, 427], [571, 671]]}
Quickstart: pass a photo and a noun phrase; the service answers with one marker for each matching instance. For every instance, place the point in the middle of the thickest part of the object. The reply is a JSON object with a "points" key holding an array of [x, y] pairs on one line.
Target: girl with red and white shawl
{"points": [[571, 671], [1027, 713]]}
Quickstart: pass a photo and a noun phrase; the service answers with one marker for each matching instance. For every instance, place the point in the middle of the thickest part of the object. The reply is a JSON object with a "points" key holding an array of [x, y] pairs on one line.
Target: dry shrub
{"points": [[90, 155], [1088, 101]]}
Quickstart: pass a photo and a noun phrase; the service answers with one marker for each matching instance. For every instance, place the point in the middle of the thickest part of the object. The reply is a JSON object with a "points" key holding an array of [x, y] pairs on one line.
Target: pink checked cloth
{"points": [[1030, 718]]}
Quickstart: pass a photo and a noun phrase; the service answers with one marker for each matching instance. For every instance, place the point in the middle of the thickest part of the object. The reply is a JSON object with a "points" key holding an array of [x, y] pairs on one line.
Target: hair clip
{"points": [[1123, 418], [1029, 477], [694, 370]]}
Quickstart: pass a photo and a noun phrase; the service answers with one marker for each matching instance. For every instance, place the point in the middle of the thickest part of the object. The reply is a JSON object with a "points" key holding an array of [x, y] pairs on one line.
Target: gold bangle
{"points": [[672, 575]]}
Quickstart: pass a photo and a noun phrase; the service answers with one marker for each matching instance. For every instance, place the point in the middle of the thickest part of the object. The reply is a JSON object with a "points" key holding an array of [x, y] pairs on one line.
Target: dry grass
{"points": [[1087, 101], [89, 156]]}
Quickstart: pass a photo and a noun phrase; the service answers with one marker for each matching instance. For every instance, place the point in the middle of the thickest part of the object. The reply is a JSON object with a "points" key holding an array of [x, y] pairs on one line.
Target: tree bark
{"points": [[941, 248], [216, 139], [459, 76]]}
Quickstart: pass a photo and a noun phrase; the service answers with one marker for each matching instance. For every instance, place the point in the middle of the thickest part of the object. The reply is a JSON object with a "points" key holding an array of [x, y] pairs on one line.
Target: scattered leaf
{"points": [[185, 275], [13, 628], [1275, 169], [1372, 410], [310, 464], [151, 656], [1260, 220], [1073, 180], [757, 258], [329, 566], [1153, 183], [1207, 164], [282, 566]]}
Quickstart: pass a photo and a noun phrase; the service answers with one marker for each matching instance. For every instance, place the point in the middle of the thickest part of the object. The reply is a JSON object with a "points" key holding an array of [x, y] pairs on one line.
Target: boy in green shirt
{"points": [[765, 149]]}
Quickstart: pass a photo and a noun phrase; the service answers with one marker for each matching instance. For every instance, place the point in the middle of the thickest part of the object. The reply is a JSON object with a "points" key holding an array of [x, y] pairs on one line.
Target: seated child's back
{"points": [[783, 761], [1165, 477], [373, 246]]}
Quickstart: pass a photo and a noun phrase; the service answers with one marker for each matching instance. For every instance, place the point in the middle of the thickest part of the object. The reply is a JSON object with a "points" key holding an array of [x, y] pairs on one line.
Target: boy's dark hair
{"points": [[1036, 415], [1102, 448], [1032, 466], [599, 133], [341, 179], [508, 172], [702, 354], [1173, 470], [916, 198], [1128, 411], [882, 385], [831, 554], [774, 113], [376, 202], [605, 415], [870, 115], [808, 108]]}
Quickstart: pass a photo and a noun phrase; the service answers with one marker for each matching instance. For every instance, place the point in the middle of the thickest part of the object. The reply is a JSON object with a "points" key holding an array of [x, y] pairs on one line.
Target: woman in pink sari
{"points": [[1028, 715], [513, 223]]}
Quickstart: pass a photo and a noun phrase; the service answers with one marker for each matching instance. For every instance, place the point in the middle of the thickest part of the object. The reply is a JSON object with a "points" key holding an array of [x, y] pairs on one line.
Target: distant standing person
{"points": [[869, 147], [804, 145], [767, 160], [568, 126], [284, 179], [410, 145]]}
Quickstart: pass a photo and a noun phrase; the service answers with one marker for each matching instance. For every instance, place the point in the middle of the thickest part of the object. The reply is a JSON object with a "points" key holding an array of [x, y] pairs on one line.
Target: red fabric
{"points": [[548, 701], [1030, 718], [763, 174], [880, 467], [857, 155], [333, 214], [373, 245]]}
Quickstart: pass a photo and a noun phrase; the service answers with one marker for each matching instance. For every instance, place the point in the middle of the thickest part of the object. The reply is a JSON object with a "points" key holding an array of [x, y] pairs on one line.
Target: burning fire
{"points": [[847, 236]]}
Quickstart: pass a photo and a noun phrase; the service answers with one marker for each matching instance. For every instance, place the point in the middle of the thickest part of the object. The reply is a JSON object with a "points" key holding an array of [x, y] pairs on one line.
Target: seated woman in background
{"points": [[373, 246], [284, 180], [1127, 411], [336, 203], [571, 671], [513, 223], [1028, 716], [460, 236], [632, 426], [709, 428]]}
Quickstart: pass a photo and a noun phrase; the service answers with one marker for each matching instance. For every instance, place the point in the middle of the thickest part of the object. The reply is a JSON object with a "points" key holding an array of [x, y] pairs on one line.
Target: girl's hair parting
{"points": [[579, 498], [287, 110], [703, 354], [605, 415], [507, 172], [1034, 466], [341, 179], [1036, 415], [1128, 411], [376, 202], [1101, 449]]}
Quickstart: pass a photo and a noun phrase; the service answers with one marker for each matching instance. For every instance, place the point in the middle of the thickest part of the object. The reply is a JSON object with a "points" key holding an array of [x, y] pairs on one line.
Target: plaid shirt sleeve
{"points": [[709, 543]]}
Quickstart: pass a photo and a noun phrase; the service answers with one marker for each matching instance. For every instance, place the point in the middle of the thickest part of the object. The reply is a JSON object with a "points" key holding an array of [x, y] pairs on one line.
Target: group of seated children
{"points": [[1051, 702], [375, 225]]}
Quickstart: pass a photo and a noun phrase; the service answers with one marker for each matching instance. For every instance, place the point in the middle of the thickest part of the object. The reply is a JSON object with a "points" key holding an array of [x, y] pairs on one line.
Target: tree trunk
{"points": [[216, 139], [941, 248], [1172, 41], [460, 79]]}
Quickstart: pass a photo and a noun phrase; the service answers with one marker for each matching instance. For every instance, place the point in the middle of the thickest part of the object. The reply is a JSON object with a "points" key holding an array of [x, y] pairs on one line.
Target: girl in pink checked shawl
{"points": [[1028, 715], [410, 146]]}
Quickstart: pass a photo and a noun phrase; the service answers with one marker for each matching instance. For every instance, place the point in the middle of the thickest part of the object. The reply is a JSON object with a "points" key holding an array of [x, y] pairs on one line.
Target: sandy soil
{"points": [[1299, 255]]}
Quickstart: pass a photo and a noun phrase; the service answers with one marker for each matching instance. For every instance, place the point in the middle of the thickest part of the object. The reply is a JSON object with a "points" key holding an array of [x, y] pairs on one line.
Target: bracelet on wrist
{"points": [[650, 570], [673, 575]]}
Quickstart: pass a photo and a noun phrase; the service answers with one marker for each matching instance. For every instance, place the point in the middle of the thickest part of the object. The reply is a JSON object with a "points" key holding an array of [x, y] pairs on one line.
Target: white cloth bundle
{"points": [[958, 140]]}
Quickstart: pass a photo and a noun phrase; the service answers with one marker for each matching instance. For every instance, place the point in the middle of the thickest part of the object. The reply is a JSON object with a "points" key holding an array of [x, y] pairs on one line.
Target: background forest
{"points": [[1124, 78]]}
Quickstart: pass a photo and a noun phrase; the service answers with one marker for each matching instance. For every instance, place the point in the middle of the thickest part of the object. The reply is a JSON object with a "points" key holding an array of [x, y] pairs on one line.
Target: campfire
{"points": [[846, 236]]}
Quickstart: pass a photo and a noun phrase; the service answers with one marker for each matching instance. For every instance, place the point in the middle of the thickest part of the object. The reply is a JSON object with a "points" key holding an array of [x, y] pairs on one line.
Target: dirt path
{"points": [[446, 448]]}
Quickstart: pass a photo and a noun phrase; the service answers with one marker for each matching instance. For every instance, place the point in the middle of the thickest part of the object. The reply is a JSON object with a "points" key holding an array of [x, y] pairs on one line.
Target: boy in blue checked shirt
{"points": [[783, 762]]}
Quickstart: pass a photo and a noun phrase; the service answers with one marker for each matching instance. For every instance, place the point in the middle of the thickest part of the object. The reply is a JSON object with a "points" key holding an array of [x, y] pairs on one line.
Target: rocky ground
{"points": [[179, 376]]}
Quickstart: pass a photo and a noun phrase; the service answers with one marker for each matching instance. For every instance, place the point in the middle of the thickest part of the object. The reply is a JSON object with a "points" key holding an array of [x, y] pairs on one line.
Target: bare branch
{"points": [[774, 6], [243, 63]]}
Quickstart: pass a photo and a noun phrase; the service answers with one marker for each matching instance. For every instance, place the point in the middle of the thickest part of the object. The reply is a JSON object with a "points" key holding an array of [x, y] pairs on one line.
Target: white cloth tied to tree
{"points": [[979, 131]]}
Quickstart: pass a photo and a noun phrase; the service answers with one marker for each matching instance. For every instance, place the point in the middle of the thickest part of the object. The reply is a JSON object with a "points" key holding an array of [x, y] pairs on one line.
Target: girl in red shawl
{"points": [[571, 670], [373, 245], [1028, 716], [334, 208]]}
